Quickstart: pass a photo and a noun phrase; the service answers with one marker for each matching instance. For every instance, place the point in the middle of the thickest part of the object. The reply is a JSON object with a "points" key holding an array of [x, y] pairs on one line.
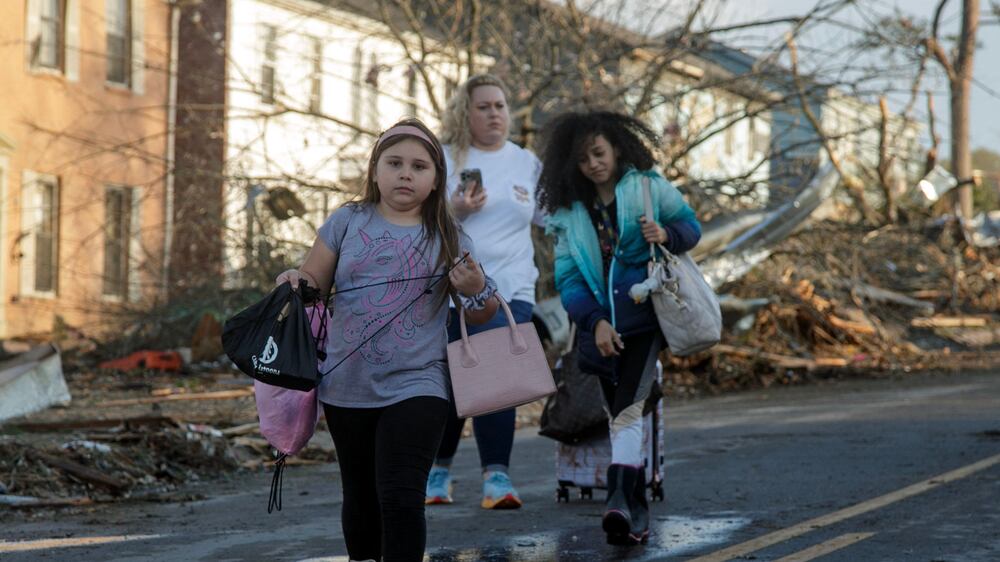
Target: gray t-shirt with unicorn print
{"points": [[406, 359]]}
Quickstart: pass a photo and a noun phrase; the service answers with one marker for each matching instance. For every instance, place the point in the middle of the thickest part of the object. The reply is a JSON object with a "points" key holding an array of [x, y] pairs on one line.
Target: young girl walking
{"points": [[594, 168], [387, 403]]}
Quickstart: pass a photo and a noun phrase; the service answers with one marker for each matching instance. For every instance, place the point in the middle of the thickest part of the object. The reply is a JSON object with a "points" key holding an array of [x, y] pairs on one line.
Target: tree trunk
{"points": [[961, 84]]}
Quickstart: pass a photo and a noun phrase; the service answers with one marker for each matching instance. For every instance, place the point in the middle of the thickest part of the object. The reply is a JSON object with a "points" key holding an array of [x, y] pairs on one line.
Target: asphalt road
{"points": [[897, 469]]}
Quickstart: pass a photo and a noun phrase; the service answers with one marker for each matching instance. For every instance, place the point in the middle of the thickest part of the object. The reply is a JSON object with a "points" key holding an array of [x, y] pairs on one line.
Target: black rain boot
{"points": [[617, 522], [639, 506]]}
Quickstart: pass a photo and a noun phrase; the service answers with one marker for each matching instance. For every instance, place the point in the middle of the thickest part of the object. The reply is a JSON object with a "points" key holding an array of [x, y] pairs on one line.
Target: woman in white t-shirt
{"points": [[497, 215]]}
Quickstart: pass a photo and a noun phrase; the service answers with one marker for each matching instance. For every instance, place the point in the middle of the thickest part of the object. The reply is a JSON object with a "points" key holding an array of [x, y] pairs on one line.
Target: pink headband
{"points": [[408, 130]]}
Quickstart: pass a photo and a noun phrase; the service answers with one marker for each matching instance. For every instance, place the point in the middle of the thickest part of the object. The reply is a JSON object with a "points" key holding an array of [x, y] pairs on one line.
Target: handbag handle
{"points": [[647, 200], [518, 345]]}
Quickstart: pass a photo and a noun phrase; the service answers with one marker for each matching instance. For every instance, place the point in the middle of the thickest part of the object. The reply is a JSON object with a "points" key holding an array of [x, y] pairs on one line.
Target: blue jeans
{"points": [[494, 432]]}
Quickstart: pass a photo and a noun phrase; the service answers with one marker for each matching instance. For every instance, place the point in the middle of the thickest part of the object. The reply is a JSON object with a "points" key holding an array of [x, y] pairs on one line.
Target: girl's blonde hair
{"points": [[436, 217], [455, 125]]}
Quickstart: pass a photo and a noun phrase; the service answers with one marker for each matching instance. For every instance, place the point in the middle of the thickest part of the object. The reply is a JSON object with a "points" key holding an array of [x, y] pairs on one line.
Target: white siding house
{"points": [[309, 88], [729, 131]]}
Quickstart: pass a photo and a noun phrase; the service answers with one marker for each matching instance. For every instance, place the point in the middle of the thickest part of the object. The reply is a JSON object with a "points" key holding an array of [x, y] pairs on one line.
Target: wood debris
{"points": [[950, 322], [218, 395], [848, 301]]}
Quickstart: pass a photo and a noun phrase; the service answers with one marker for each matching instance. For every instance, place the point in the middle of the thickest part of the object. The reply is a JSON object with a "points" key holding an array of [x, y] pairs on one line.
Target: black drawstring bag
{"points": [[272, 340]]}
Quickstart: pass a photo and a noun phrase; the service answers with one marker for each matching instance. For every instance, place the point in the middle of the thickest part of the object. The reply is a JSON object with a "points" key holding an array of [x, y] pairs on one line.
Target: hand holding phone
{"points": [[469, 196], [470, 178]]}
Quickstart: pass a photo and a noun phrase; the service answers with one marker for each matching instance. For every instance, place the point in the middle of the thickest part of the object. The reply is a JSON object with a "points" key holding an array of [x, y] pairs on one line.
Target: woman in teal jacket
{"points": [[594, 168]]}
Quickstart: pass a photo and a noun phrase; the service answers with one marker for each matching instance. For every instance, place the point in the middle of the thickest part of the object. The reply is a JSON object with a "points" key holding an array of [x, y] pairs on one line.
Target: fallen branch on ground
{"points": [[784, 361], [79, 471], [949, 322], [218, 395]]}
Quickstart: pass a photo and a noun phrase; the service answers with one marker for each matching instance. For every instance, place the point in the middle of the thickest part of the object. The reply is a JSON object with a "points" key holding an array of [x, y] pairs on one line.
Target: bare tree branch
{"points": [[934, 44], [851, 182], [932, 152]]}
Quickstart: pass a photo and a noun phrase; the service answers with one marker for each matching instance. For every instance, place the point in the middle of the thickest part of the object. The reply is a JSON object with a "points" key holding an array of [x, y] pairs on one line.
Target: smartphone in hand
{"points": [[470, 177]]}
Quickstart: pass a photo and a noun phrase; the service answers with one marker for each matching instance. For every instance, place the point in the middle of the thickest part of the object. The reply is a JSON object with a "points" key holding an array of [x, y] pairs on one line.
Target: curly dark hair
{"points": [[565, 141]]}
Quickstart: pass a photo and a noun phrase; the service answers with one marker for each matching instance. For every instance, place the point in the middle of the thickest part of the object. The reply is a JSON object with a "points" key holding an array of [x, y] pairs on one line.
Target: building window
{"points": [[316, 77], [48, 45], [270, 60], [40, 224], [119, 41], [117, 238]]}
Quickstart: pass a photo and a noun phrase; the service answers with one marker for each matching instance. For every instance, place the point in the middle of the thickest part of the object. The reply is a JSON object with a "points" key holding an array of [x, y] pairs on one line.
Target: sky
{"points": [[985, 110]]}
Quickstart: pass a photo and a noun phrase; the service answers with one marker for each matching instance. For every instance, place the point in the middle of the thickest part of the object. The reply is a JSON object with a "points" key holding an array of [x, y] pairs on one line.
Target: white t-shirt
{"points": [[501, 230]]}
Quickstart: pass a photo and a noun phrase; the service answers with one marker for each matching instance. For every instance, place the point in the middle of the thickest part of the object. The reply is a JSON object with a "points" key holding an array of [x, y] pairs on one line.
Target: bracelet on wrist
{"points": [[479, 300]]}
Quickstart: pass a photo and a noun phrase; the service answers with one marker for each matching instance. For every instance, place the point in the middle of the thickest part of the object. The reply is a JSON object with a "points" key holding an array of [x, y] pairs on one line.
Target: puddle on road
{"points": [[683, 535], [670, 536]]}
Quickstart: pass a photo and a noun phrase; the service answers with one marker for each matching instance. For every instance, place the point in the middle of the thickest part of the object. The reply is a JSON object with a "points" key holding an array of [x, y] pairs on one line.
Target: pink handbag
{"points": [[499, 368]]}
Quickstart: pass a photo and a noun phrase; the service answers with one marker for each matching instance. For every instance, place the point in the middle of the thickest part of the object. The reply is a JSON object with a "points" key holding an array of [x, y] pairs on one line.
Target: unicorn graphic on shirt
{"points": [[384, 259]]}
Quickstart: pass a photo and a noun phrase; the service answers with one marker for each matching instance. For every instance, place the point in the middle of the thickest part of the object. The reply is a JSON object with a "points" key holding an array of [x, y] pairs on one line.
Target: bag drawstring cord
{"points": [[274, 500], [426, 291]]}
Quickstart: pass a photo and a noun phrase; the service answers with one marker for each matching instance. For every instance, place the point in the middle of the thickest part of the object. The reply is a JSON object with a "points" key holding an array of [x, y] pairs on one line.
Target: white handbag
{"points": [[686, 306]]}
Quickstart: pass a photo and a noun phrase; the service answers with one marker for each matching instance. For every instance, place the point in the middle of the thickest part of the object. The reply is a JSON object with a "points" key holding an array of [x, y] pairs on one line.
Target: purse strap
{"points": [[647, 200], [517, 342]]}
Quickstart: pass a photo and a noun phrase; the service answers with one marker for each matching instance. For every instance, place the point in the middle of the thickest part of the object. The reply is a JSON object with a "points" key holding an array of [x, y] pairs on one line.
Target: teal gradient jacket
{"points": [[586, 294]]}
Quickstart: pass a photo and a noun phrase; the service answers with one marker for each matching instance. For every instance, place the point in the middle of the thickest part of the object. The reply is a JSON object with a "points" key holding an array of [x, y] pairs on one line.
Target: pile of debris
{"points": [[137, 459], [838, 300], [136, 436]]}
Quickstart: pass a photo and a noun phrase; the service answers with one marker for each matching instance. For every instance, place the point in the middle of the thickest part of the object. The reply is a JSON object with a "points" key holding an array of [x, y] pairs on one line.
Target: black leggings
{"points": [[385, 455]]}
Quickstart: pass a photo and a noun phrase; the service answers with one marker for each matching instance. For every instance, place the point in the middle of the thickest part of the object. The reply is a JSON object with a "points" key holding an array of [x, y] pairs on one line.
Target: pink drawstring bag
{"points": [[288, 417]]}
